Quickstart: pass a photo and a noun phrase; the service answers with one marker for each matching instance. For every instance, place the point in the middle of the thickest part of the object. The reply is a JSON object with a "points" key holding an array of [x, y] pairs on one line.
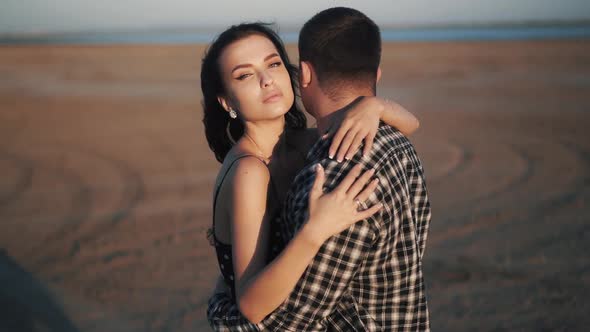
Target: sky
{"points": [[57, 16]]}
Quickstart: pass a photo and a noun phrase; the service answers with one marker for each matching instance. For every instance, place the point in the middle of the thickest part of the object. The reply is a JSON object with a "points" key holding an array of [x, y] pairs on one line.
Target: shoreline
{"points": [[401, 34]]}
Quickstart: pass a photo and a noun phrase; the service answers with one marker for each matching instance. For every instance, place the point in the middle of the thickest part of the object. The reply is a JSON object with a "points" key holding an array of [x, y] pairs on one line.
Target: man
{"points": [[369, 277]]}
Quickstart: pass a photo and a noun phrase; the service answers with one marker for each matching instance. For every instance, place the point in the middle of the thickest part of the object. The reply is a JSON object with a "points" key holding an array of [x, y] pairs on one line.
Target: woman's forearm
{"points": [[266, 290], [262, 291], [397, 116]]}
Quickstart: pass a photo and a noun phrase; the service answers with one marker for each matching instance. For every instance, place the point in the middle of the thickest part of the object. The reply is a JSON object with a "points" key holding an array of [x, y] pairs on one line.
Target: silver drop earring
{"points": [[232, 113]]}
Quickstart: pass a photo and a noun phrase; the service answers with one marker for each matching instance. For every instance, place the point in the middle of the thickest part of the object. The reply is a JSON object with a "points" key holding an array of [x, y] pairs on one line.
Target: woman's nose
{"points": [[267, 80]]}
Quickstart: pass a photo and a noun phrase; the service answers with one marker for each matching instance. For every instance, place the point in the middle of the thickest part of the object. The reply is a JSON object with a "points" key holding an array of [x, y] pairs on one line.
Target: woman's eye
{"points": [[243, 77], [276, 64]]}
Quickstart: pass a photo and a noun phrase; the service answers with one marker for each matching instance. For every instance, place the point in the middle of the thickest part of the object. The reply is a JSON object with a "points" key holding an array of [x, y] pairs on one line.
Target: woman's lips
{"points": [[271, 98]]}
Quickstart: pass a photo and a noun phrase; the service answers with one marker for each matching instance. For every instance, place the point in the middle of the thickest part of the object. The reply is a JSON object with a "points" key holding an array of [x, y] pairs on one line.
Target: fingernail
{"points": [[347, 157], [331, 156], [339, 160]]}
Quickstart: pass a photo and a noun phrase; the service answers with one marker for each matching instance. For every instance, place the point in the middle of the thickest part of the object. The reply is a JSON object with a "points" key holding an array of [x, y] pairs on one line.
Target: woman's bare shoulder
{"points": [[249, 166], [238, 167]]}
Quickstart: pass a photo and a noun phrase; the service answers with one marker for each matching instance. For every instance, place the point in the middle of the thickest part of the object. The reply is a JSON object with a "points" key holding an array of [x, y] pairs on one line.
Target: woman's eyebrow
{"points": [[246, 65]]}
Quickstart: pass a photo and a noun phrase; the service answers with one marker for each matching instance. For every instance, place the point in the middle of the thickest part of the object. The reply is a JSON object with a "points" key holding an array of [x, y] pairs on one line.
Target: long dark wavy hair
{"points": [[215, 118]]}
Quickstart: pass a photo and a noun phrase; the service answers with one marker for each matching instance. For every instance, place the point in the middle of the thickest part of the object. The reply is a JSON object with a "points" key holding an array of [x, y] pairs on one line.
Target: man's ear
{"points": [[223, 102], [305, 75], [378, 73]]}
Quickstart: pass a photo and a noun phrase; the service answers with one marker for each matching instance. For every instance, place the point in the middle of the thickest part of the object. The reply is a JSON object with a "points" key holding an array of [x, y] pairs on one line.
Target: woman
{"points": [[255, 129]]}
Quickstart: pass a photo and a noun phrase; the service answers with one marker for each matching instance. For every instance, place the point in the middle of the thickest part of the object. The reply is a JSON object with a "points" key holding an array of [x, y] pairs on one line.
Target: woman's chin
{"points": [[278, 109]]}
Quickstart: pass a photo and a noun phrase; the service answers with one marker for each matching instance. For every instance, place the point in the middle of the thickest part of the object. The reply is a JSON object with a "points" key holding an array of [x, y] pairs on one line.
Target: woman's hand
{"points": [[331, 213], [361, 122]]}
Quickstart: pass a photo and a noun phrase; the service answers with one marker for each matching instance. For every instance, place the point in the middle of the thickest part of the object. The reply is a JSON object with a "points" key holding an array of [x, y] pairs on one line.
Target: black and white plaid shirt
{"points": [[367, 278]]}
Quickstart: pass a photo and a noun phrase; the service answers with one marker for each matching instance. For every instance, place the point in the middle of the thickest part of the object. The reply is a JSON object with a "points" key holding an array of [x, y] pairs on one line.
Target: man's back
{"points": [[370, 276]]}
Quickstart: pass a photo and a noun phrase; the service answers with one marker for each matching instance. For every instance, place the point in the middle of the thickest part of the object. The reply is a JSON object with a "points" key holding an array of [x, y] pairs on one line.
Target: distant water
{"points": [[401, 34]]}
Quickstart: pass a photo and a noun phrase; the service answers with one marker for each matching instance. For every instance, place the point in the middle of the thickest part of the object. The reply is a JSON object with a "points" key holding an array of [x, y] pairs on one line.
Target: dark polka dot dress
{"points": [[224, 250]]}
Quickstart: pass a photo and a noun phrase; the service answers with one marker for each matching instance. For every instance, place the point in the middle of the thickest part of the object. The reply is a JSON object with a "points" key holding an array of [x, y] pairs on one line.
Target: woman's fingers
{"points": [[348, 180], [318, 183], [369, 189], [360, 183], [338, 137], [354, 146], [369, 143], [345, 144], [369, 212]]}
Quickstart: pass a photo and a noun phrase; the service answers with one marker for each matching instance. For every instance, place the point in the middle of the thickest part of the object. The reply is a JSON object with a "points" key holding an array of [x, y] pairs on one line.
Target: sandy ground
{"points": [[105, 182]]}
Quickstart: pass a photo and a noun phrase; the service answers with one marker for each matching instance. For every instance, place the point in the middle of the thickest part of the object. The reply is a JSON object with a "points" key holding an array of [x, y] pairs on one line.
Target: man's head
{"points": [[340, 51]]}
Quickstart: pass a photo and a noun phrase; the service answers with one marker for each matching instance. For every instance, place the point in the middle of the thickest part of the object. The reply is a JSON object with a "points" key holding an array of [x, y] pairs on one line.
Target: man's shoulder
{"points": [[389, 141], [389, 134]]}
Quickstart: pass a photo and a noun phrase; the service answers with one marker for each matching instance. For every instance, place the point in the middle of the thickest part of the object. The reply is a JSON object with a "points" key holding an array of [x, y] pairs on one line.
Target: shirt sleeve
{"points": [[329, 274], [224, 315]]}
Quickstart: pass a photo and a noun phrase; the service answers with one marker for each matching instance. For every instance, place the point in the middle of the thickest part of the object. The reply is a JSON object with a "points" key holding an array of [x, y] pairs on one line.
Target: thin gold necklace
{"points": [[259, 150]]}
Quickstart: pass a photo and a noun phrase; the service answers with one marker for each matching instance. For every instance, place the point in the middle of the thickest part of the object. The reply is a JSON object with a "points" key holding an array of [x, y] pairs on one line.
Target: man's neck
{"points": [[329, 110]]}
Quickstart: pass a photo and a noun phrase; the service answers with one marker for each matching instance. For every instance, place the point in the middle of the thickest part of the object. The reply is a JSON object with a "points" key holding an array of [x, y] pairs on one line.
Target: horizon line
{"points": [[431, 32]]}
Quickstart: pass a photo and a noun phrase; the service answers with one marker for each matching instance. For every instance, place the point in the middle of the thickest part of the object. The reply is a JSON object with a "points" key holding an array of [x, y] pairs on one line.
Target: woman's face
{"points": [[256, 81]]}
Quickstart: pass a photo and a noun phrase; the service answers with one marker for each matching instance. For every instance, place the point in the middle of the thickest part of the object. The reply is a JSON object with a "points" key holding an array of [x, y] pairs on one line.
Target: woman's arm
{"points": [[397, 116], [260, 289], [361, 123]]}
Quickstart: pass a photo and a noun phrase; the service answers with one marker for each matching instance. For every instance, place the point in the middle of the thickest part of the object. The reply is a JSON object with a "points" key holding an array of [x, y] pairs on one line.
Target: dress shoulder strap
{"points": [[225, 174]]}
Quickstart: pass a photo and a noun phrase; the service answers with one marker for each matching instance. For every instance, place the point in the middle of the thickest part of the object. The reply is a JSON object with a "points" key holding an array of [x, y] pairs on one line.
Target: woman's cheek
{"points": [[241, 94], [246, 100]]}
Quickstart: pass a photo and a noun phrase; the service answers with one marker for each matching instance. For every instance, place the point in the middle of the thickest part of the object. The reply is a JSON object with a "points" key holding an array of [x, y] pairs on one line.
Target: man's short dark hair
{"points": [[344, 47]]}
